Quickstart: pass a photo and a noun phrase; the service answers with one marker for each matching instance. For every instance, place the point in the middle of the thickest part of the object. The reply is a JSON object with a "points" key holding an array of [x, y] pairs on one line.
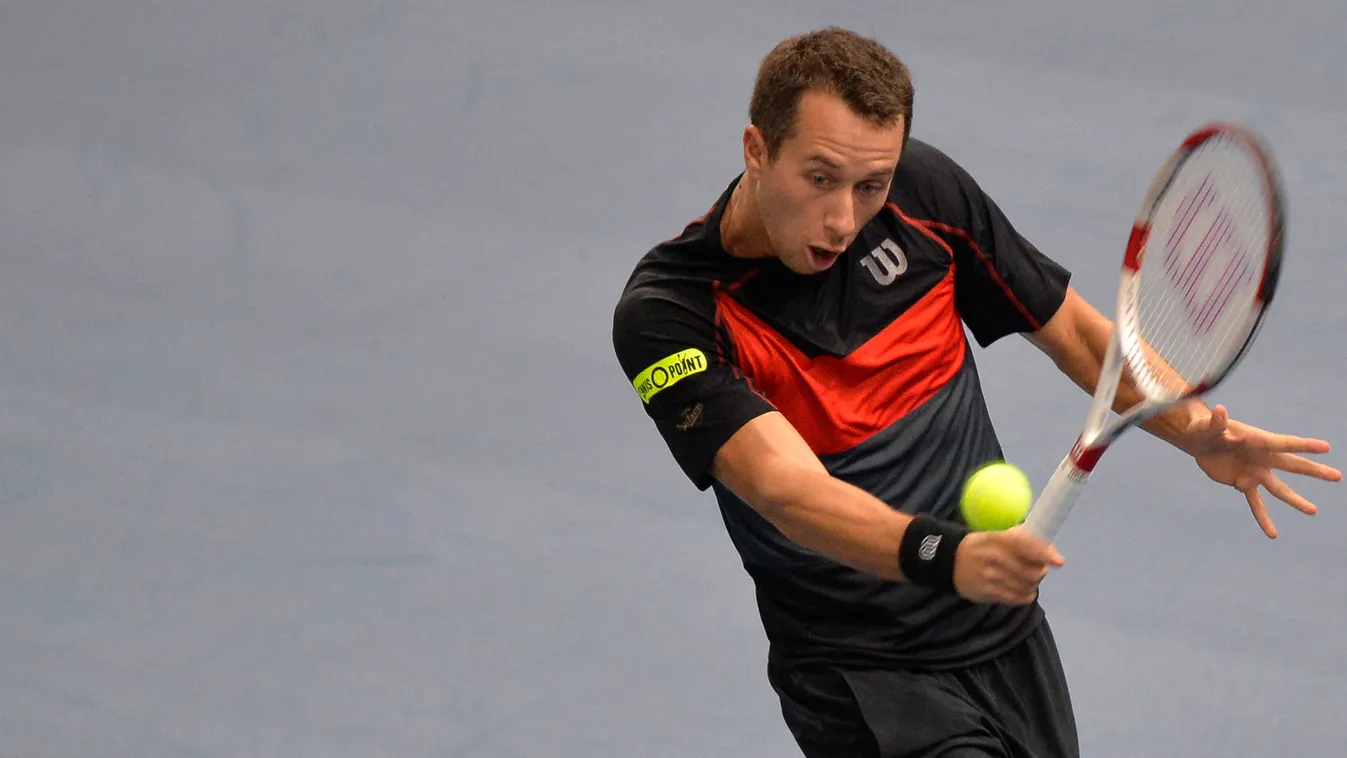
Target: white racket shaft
{"points": [[1058, 496], [1054, 504]]}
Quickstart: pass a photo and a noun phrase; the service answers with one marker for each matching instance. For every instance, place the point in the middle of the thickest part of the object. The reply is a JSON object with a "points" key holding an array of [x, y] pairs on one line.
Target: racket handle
{"points": [[1054, 502]]}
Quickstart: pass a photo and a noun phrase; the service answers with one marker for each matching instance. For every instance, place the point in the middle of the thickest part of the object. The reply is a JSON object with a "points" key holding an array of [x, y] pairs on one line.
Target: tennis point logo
{"points": [[667, 372]]}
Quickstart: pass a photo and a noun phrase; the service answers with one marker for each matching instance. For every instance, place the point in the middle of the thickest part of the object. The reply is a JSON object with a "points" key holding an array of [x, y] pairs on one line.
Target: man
{"points": [[801, 349]]}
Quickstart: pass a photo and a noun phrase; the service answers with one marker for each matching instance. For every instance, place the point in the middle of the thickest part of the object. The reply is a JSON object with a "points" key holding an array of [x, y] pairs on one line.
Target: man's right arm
{"points": [[717, 426], [768, 464]]}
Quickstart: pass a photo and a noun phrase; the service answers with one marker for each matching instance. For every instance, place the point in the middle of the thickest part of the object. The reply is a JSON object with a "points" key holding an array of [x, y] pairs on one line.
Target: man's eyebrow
{"points": [[828, 163]]}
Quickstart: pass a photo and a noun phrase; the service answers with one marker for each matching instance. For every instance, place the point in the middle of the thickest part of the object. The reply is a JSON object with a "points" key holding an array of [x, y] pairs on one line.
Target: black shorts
{"points": [[1013, 706]]}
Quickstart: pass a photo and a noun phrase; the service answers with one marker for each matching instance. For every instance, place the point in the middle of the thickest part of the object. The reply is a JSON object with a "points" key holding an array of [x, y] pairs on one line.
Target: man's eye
{"points": [[819, 180], [872, 188]]}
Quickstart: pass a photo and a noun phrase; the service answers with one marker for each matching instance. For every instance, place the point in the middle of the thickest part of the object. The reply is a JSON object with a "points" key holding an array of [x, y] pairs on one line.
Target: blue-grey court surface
{"points": [[311, 438]]}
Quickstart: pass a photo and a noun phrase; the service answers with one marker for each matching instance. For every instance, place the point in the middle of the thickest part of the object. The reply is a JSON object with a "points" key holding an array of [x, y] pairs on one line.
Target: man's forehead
{"points": [[869, 154], [845, 139]]}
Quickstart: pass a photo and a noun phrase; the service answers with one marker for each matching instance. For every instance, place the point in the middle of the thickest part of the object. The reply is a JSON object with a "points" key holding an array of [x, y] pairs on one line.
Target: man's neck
{"points": [[741, 230]]}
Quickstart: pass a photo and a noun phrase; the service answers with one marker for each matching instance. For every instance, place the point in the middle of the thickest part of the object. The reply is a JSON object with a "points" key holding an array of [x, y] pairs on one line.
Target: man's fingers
{"points": [[1032, 550], [1016, 591], [1283, 492], [1007, 567], [1295, 464], [1288, 443], [1037, 556], [1220, 419], [1031, 569], [1260, 514]]}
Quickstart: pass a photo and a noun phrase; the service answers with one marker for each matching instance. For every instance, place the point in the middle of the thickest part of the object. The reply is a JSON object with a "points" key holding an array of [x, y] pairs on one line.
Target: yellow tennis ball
{"points": [[997, 496]]}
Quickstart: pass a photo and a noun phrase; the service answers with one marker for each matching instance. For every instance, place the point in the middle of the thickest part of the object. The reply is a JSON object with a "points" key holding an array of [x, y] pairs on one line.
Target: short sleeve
{"points": [[679, 372], [1003, 284]]}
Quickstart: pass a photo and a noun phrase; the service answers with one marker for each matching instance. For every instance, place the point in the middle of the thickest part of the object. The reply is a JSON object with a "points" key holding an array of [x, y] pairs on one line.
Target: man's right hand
{"points": [[1003, 567]]}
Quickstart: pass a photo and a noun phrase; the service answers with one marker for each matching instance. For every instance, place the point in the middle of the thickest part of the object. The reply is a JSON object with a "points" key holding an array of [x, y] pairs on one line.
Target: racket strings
{"points": [[1201, 270]]}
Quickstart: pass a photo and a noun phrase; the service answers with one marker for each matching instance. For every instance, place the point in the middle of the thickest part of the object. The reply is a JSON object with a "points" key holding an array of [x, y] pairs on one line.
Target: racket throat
{"points": [[1086, 456]]}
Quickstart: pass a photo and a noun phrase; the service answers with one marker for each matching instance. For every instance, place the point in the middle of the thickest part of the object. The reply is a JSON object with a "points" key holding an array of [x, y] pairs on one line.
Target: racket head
{"points": [[1202, 263]]}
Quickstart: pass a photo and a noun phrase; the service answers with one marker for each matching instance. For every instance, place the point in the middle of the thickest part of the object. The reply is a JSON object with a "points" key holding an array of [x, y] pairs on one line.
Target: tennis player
{"points": [[801, 349]]}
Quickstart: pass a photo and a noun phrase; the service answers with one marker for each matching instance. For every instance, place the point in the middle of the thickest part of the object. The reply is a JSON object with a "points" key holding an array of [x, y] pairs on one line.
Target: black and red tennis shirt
{"points": [[869, 360]]}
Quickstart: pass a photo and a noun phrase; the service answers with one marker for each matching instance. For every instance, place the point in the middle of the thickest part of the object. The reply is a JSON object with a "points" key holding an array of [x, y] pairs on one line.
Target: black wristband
{"points": [[926, 554]]}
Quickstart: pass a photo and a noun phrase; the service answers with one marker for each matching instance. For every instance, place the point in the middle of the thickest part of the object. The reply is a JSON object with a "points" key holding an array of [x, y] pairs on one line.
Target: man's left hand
{"points": [[1246, 457]]}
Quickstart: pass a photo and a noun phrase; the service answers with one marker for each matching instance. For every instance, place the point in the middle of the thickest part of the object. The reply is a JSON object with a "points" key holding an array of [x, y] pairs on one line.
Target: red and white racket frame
{"points": [[1058, 496]]}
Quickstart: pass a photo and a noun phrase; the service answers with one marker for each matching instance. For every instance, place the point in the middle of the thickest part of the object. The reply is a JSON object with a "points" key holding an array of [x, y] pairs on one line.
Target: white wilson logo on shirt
{"points": [[886, 262]]}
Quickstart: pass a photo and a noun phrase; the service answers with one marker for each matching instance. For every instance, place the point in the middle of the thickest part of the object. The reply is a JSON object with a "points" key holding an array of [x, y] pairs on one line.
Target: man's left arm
{"points": [[1228, 451]]}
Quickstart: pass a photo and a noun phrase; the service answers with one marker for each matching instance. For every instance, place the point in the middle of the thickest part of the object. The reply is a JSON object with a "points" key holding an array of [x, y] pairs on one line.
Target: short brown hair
{"points": [[872, 81]]}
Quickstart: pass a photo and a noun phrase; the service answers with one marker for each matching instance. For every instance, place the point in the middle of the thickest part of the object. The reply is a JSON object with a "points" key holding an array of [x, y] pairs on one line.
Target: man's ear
{"points": [[755, 149]]}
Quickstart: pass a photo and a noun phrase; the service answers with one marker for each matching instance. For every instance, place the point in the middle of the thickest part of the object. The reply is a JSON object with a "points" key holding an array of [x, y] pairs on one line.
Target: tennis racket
{"points": [[1200, 269]]}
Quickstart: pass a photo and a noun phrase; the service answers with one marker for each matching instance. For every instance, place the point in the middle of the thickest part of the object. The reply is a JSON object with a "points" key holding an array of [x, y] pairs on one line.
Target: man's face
{"points": [[827, 180]]}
